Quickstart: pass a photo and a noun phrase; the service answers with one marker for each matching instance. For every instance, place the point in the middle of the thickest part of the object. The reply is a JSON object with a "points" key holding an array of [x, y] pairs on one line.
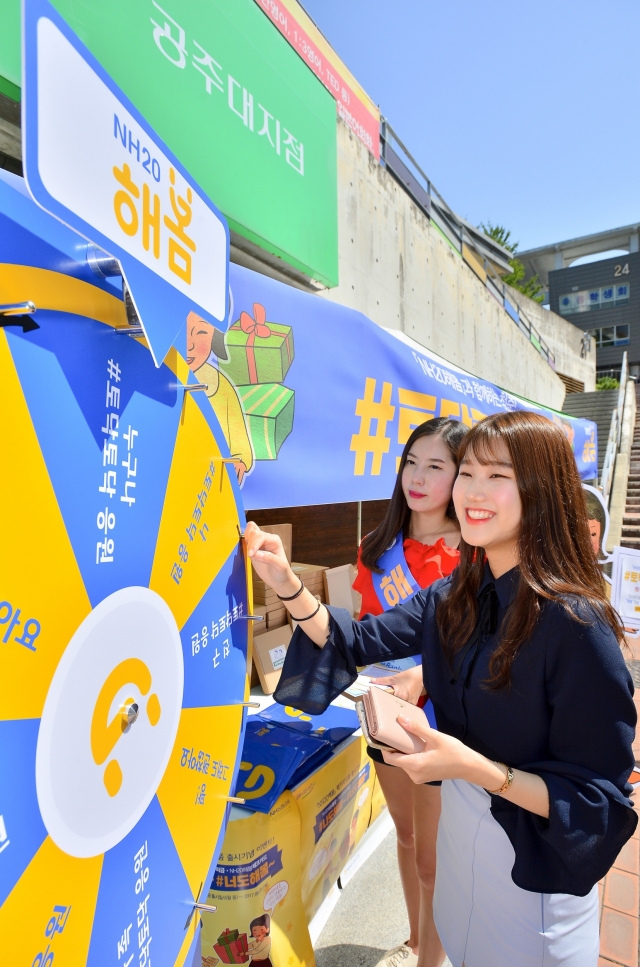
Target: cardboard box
{"points": [[259, 627], [338, 586], [268, 656], [308, 572], [311, 574], [270, 600], [255, 678], [285, 533], [266, 598], [276, 618]]}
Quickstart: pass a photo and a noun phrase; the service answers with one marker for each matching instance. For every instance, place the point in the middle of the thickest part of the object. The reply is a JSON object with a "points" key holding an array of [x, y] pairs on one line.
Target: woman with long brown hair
{"points": [[521, 658], [413, 546]]}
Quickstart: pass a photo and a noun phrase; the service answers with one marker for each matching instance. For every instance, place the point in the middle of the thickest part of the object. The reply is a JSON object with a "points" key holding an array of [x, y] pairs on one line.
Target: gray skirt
{"points": [[483, 918]]}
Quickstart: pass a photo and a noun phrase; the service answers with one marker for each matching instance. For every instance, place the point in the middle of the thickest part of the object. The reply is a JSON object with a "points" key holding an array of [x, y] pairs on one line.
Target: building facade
{"points": [[603, 299]]}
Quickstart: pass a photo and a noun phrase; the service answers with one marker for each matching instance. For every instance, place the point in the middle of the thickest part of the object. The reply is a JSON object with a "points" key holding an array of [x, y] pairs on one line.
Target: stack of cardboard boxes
{"points": [[266, 603], [273, 634]]}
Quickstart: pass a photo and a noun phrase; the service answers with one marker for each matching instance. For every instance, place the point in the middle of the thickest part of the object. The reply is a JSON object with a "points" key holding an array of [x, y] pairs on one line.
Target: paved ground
{"points": [[370, 917], [619, 892]]}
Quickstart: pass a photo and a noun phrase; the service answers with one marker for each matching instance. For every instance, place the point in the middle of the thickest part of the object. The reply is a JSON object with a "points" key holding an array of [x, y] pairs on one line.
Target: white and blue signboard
{"points": [[93, 162]]}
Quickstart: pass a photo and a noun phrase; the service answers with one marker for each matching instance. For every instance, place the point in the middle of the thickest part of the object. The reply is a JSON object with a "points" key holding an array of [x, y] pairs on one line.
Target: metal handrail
{"points": [[385, 131], [450, 225], [615, 434]]}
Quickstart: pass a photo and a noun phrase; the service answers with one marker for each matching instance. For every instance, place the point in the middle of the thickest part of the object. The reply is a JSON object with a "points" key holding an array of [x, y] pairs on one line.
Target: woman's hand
{"points": [[443, 758], [267, 555], [447, 758], [407, 685]]}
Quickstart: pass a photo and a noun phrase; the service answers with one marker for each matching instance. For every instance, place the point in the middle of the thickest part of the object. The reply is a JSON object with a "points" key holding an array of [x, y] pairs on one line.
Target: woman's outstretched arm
{"points": [[269, 560]]}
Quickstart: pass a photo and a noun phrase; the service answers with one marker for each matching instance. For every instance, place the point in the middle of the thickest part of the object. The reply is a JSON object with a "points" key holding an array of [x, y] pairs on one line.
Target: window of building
{"points": [[611, 336], [588, 299]]}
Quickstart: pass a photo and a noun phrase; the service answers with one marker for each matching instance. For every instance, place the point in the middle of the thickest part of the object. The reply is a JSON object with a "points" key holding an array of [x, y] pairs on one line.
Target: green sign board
{"points": [[10, 69], [235, 103]]}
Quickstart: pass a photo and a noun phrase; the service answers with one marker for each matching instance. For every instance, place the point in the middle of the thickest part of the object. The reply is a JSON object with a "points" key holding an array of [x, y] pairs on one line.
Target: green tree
{"points": [[607, 382], [532, 287]]}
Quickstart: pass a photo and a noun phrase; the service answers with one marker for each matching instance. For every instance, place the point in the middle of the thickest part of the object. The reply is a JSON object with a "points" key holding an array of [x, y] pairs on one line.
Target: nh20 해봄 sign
{"points": [[94, 162]]}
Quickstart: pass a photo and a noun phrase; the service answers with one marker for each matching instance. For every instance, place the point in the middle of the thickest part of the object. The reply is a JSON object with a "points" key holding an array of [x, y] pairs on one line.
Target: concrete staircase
{"points": [[596, 406], [631, 519]]}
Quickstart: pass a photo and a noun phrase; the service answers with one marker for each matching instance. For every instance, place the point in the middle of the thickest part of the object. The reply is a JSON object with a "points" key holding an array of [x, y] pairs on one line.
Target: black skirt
{"points": [[376, 755]]}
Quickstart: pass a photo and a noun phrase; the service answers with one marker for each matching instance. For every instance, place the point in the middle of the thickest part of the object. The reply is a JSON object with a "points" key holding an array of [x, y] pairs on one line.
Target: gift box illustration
{"points": [[269, 409], [259, 351], [232, 947]]}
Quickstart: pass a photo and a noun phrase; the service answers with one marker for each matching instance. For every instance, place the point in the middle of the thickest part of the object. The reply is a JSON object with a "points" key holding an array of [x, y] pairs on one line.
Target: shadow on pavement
{"points": [[348, 955]]}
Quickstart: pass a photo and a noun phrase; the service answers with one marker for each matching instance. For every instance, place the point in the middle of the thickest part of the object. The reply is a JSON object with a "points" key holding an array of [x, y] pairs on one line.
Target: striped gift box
{"points": [[269, 408]]}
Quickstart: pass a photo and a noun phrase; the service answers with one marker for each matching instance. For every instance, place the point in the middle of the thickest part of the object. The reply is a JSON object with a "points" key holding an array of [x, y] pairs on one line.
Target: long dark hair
{"points": [[398, 514], [556, 559]]}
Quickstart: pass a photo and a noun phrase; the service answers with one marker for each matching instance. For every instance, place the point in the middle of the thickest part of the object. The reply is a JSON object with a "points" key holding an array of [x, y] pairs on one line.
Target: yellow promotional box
{"points": [[335, 807], [256, 889]]}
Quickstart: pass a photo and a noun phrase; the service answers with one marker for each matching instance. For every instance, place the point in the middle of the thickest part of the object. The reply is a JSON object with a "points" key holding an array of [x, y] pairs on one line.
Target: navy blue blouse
{"points": [[568, 717]]}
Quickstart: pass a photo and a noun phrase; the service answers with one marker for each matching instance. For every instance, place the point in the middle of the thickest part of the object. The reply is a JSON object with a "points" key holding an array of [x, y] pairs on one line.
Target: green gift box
{"points": [[269, 410], [259, 351]]}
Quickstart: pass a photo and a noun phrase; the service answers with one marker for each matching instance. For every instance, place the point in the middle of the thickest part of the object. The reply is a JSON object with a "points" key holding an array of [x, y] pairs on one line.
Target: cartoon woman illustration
{"points": [[203, 340], [260, 943]]}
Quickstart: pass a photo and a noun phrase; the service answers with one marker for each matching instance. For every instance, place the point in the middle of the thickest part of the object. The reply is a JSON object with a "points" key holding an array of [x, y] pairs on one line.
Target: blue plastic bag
{"points": [[334, 725], [313, 752], [265, 771]]}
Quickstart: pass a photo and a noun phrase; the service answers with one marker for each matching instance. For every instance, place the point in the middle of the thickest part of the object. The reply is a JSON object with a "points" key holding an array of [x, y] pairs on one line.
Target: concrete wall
{"points": [[397, 268], [564, 340]]}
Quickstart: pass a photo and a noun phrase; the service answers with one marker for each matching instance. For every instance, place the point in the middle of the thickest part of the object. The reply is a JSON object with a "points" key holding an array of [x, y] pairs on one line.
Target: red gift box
{"points": [[232, 948]]}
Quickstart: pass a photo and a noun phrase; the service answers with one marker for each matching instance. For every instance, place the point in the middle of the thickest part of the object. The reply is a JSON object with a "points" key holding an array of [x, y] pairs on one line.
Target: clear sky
{"points": [[525, 114]]}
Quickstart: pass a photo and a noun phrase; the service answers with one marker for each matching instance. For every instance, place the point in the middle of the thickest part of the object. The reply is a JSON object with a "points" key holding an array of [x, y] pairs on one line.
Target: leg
{"points": [[426, 815], [398, 791]]}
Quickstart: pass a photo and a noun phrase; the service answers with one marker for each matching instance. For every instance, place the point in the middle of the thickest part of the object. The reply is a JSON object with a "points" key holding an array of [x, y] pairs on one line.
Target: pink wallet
{"points": [[381, 710]]}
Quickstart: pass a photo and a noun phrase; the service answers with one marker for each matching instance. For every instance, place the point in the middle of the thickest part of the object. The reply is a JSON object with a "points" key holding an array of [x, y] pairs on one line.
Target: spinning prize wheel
{"points": [[123, 637]]}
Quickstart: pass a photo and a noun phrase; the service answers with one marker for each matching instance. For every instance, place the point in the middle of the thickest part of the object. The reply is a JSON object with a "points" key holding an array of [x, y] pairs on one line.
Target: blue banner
{"points": [[245, 875], [316, 401]]}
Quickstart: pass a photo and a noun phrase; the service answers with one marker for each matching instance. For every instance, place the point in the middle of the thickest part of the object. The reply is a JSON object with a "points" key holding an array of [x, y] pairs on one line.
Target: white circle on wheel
{"points": [[95, 773]]}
